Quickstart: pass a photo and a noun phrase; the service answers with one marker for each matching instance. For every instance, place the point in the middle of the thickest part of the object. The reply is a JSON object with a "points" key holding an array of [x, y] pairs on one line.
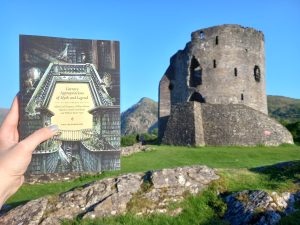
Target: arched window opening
{"points": [[202, 35], [235, 72], [171, 86], [195, 73], [242, 97], [197, 97], [257, 75], [217, 40], [215, 63]]}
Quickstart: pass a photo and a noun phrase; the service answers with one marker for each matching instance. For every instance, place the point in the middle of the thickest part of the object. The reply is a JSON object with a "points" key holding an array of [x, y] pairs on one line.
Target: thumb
{"points": [[21, 153], [32, 141]]}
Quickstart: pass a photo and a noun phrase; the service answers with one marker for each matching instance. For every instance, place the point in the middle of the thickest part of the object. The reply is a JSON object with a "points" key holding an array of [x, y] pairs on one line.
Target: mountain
{"points": [[143, 116], [140, 118], [284, 108], [3, 113]]}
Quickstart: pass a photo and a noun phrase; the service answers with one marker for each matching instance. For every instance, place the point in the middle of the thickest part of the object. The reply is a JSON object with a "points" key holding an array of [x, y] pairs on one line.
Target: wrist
{"points": [[8, 186], [4, 188]]}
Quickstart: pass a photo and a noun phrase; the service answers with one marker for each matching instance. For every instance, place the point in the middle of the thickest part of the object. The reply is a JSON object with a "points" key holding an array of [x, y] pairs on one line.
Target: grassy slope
{"points": [[235, 167], [284, 108]]}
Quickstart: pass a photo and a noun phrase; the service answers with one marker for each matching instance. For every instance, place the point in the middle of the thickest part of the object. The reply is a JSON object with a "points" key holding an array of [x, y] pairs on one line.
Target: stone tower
{"points": [[221, 65]]}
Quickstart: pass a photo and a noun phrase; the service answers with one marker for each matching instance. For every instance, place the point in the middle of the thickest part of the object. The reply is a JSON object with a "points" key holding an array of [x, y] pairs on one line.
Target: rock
{"points": [[31, 213], [258, 207], [128, 150], [116, 203], [115, 196]]}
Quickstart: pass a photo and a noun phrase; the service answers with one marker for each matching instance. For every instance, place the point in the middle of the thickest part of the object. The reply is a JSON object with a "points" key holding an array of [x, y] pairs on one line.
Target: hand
{"points": [[15, 156]]}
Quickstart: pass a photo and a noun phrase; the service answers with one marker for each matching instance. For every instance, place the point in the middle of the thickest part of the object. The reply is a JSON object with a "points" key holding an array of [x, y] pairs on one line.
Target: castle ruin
{"points": [[213, 92]]}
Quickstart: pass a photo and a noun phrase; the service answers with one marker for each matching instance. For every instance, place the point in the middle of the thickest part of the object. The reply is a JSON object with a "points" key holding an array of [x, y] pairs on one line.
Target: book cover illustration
{"points": [[74, 84]]}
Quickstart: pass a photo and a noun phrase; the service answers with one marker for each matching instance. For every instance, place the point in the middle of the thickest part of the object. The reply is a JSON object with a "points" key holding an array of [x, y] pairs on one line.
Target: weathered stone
{"points": [[258, 207], [222, 69], [31, 213], [111, 196], [232, 124], [116, 203], [138, 147]]}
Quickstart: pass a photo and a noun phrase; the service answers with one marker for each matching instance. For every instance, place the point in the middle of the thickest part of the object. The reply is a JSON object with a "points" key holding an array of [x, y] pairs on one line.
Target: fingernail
{"points": [[53, 128]]}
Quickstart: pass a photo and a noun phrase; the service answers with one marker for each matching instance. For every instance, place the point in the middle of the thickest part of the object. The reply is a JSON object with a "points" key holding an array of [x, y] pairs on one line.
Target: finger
{"points": [[29, 144], [19, 157], [9, 135], [12, 118]]}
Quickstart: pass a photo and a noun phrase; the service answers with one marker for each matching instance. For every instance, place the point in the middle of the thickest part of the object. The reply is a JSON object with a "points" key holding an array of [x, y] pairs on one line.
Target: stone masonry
{"points": [[222, 69]]}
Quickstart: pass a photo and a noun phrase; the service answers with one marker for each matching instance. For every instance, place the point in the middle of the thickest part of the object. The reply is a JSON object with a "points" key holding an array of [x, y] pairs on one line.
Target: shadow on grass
{"points": [[285, 171]]}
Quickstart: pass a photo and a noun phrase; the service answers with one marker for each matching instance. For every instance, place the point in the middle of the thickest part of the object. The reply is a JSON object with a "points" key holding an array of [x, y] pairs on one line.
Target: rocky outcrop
{"points": [[138, 147], [114, 196], [258, 207]]}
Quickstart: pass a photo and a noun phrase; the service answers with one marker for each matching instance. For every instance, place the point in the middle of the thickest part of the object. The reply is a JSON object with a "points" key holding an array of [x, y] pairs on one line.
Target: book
{"points": [[75, 84]]}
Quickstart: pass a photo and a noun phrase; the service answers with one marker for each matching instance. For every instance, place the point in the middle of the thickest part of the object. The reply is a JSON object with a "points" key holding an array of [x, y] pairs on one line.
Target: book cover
{"points": [[75, 84]]}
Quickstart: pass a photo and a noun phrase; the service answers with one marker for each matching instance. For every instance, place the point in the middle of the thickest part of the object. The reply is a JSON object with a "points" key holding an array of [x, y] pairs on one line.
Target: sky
{"points": [[150, 32]]}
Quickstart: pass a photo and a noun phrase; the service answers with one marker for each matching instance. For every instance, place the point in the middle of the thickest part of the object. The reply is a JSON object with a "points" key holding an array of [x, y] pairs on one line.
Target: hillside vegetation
{"points": [[284, 109]]}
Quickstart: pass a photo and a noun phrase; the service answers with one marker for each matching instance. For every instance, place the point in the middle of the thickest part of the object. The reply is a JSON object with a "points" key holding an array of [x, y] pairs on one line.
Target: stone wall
{"points": [[180, 127], [193, 123], [241, 125], [221, 65], [185, 125]]}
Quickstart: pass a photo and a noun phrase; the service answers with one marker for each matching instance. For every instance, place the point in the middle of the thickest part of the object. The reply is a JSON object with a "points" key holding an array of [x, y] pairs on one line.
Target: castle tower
{"points": [[221, 66]]}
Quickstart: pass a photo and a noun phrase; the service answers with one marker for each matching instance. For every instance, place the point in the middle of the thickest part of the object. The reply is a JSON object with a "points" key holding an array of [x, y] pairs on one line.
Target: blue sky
{"points": [[150, 32]]}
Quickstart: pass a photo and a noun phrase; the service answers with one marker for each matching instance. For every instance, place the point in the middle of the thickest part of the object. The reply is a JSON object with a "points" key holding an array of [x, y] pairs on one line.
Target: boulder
{"points": [[115, 196], [258, 207]]}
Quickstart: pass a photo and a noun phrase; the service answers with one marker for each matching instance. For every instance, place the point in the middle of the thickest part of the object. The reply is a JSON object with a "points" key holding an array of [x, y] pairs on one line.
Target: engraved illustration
{"points": [[74, 84]]}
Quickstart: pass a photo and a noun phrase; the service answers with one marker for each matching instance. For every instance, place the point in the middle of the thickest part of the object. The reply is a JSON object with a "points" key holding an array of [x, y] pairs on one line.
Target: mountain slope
{"points": [[284, 108], [143, 116], [139, 118]]}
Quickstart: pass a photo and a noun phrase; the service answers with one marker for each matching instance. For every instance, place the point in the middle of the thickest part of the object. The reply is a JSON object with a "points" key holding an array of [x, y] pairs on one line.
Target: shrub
{"points": [[294, 128], [128, 140]]}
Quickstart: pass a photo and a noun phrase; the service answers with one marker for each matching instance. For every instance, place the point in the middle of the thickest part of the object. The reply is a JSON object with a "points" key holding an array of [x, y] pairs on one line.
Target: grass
{"points": [[235, 166]]}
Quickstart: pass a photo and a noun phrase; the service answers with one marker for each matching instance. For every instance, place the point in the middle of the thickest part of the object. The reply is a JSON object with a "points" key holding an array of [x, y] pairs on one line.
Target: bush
{"points": [[294, 128], [128, 140], [145, 138]]}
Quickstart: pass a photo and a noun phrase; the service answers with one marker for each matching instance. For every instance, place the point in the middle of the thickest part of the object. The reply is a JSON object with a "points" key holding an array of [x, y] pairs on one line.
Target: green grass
{"points": [[235, 166], [170, 156]]}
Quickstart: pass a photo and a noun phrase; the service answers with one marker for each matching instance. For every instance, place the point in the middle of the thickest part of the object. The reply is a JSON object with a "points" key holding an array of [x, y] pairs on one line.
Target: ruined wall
{"points": [[236, 124], [164, 104], [193, 123], [221, 65], [184, 126], [228, 56]]}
